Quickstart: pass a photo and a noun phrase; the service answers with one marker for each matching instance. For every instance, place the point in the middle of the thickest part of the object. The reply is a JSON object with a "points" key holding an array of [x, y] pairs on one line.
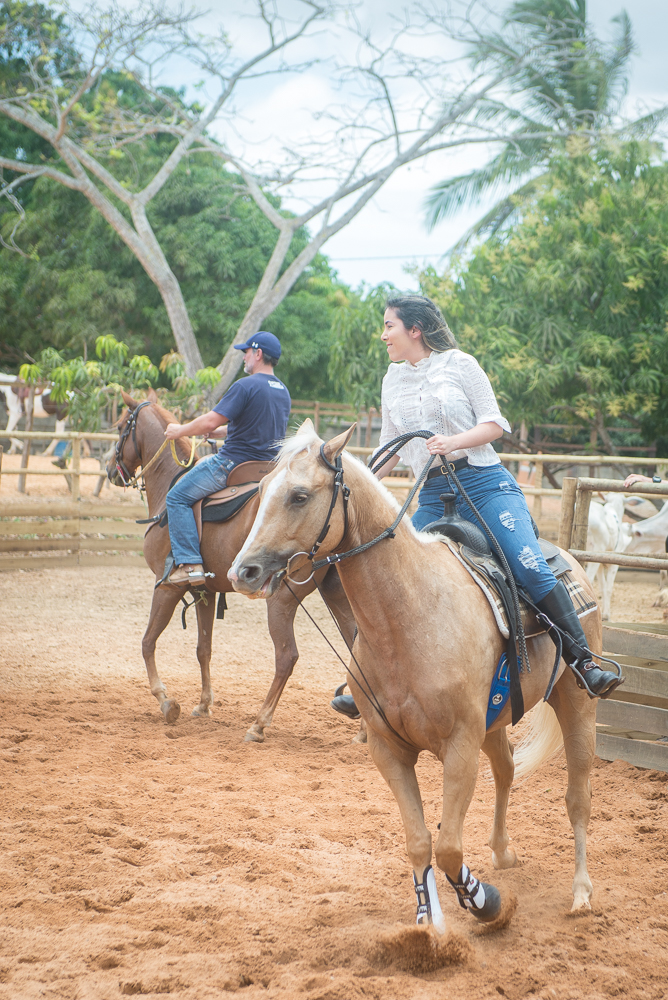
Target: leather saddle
{"points": [[475, 550], [242, 485]]}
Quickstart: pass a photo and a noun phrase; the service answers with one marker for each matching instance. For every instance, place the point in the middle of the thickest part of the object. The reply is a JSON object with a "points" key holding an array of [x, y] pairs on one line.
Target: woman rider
{"points": [[431, 385]]}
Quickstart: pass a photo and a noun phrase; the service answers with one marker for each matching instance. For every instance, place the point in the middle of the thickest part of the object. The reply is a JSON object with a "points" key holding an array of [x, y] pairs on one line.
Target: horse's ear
{"points": [[335, 446], [128, 400], [306, 426], [152, 395]]}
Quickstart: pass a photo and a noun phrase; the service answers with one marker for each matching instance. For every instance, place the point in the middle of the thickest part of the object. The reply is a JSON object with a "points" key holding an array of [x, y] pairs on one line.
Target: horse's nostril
{"points": [[250, 573]]}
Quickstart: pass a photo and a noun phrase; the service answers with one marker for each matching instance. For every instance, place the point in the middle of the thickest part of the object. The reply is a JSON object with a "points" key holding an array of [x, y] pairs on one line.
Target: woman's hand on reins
{"points": [[440, 444], [446, 444]]}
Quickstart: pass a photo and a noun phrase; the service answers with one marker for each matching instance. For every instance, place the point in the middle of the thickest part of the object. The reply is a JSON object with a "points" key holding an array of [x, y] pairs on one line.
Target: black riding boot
{"points": [[558, 607]]}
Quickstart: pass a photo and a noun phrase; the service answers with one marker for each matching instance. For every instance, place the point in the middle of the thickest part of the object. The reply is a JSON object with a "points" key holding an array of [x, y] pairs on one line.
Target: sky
{"points": [[394, 223], [389, 235]]}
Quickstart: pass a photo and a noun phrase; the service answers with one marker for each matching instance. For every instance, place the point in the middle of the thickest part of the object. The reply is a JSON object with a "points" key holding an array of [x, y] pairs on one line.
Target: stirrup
{"points": [[581, 675]]}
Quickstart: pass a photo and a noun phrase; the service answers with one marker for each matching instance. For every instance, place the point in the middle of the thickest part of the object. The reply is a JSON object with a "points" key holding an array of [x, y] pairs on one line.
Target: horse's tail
{"points": [[541, 738]]}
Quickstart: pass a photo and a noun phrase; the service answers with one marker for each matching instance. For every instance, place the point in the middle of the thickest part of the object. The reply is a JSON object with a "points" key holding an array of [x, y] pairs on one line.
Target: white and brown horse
{"points": [[424, 658], [219, 545], [17, 399]]}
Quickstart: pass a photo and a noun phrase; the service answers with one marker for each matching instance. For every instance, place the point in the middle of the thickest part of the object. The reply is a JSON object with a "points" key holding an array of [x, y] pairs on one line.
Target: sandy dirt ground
{"points": [[141, 859]]}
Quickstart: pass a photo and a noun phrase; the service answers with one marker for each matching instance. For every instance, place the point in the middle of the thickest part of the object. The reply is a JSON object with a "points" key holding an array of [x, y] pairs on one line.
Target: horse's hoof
{"points": [[492, 907], [171, 711], [504, 859], [359, 737], [581, 902], [201, 712], [254, 736]]}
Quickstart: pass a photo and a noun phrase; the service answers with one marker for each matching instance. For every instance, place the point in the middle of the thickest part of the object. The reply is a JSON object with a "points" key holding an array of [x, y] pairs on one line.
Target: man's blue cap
{"points": [[269, 344]]}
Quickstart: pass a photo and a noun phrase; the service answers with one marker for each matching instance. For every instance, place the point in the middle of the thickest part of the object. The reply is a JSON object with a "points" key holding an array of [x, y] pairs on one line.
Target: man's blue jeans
{"points": [[501, 502], [207, 476]]}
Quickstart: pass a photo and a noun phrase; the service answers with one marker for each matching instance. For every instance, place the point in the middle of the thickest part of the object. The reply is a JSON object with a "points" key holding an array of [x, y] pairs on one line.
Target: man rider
{"points": [[256, 411]]}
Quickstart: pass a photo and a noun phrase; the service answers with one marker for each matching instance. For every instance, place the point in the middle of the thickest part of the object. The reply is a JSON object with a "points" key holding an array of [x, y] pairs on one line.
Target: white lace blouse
{"points": [[446, 393]]}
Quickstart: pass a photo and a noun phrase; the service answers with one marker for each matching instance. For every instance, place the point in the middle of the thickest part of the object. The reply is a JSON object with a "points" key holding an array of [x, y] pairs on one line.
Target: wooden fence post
{"points": [[567, 512], [316, 416], [581, 518], [0, 464], [538, 500], [369, 426], [25, 454], [76, 468]]}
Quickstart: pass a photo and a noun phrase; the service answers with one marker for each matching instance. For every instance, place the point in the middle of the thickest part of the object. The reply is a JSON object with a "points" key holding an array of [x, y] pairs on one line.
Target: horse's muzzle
{"points": [[258, 576]]}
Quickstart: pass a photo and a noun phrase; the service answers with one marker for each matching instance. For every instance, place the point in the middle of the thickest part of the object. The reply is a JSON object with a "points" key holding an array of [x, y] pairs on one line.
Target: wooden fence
{"points": [[633, 722], [83, 534], [635, 717]]}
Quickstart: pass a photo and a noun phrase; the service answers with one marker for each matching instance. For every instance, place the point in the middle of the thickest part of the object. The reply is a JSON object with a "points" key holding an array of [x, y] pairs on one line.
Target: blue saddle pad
{"points": [[499, 691]]}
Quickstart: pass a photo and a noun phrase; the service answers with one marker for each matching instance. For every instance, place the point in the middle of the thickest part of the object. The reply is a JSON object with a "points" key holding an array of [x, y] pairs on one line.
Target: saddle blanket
{"points": [[582, 602]]}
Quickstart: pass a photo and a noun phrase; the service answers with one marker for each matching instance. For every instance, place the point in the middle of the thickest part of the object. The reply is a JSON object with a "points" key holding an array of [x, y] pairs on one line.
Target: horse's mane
{"points": [[306, 439], [303, 440]]}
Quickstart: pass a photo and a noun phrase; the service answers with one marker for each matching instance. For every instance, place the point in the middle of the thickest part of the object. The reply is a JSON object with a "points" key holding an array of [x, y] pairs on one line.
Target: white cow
{"points": [[18, 405], [648, 538], [606, 533]]}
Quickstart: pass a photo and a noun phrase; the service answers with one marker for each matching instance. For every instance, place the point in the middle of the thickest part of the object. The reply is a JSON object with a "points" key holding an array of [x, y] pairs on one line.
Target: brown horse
{"points": [[220, 544], [424, 658]]}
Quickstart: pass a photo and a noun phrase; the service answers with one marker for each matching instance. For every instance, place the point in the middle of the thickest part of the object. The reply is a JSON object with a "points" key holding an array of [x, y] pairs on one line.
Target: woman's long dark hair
{"points": [[419, 311]]}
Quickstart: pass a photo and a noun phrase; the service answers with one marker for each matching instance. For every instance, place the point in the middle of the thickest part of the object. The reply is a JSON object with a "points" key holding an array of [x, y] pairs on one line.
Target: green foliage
{"points": [[85, 283], [79, 280], [567, 311], [359, 358], [571, 83], [88, 386]]}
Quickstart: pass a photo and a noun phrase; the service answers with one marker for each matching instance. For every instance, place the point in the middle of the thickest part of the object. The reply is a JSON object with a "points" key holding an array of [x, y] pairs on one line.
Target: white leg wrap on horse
{"points": [[429, 908], [479, 898]]}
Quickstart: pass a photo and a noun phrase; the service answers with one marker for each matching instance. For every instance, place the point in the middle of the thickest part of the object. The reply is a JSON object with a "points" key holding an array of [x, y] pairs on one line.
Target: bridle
{"points": [[130, 428], [338, 486], [126, 477]]}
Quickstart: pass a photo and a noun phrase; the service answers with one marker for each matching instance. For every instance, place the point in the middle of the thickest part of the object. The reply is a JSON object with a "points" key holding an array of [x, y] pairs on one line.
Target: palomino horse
{"points": [[423, 661], [220, 544]]}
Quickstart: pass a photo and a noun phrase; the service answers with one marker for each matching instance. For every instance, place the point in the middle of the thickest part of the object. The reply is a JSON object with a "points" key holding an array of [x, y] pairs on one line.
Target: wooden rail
{"points": [[87, 534], [574, 521], [632, 721]]}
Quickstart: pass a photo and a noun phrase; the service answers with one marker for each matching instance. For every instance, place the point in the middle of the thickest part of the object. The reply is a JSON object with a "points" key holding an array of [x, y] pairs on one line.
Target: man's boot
{"points": [[558, 607]]}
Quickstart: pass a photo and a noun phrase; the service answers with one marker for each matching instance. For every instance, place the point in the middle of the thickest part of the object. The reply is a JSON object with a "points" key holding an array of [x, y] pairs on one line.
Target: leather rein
{"points": [[338, 486]]}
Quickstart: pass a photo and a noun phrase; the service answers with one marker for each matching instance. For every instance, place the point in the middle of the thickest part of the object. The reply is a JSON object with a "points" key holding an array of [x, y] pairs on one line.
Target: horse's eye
{"points": [[299, 498]]}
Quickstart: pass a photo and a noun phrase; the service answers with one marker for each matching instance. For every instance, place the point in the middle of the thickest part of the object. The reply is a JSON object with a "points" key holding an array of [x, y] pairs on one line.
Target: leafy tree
{"points": [[567, 311], [359, 357], [571, 83], [81, 282], [120, 146]]}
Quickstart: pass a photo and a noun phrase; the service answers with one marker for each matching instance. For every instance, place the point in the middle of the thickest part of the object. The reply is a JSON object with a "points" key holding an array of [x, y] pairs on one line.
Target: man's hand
{"points": [[636, 478], [173, 432]]}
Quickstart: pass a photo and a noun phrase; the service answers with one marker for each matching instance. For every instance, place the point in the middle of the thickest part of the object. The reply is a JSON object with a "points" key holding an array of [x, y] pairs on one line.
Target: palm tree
{"points": [[572, 82]]}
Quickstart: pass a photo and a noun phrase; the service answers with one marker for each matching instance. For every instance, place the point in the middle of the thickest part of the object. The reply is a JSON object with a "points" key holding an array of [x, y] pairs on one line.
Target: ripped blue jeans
{"points": [[501, 502]]}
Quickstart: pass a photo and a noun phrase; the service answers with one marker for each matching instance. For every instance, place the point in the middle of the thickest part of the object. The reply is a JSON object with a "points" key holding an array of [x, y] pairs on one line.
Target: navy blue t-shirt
{"points": [[258, 409]]}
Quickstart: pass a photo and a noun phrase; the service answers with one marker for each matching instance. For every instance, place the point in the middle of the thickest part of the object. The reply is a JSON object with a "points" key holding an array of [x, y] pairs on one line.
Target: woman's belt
{"points": [[461, 463]]}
